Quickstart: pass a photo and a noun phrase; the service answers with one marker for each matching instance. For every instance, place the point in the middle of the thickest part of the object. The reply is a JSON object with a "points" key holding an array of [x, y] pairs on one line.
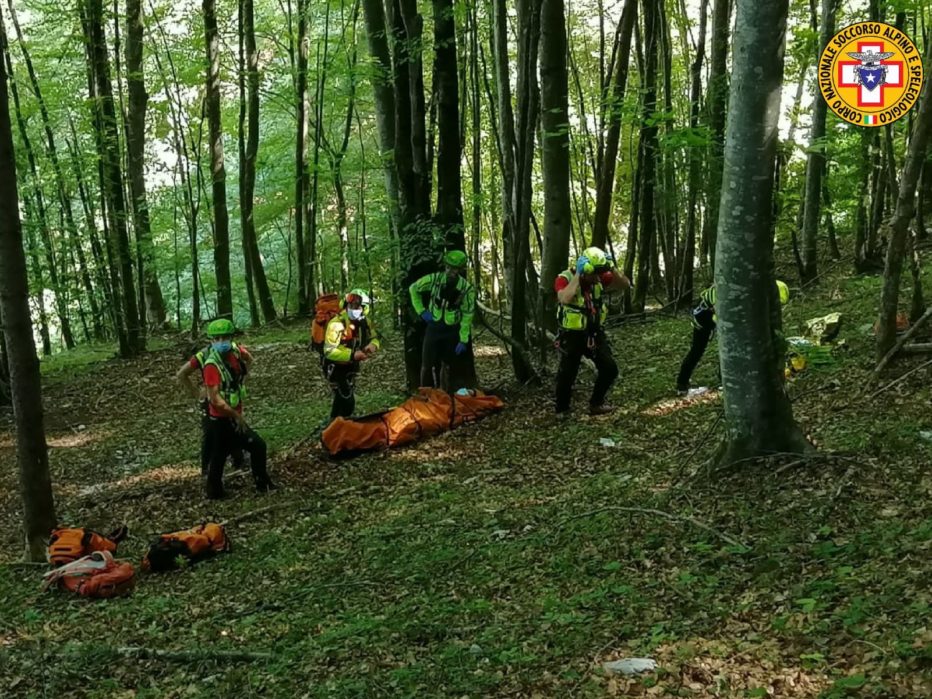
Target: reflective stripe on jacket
{"points": [[583, 313], [344, 337], [232, 389], [454, 306]]}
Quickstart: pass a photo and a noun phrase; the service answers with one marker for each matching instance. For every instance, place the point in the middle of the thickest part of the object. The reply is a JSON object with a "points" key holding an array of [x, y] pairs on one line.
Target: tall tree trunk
{"points": [[475, 104], [606, 185], [33, 248], [758, 414], [898, 227], [508, 146], [113, 177], [449, 150], [717, 100], [555, 154], [815, 164], [42, 216], [695, 166], [241, 151], [64, 195], [20, 352], [135, 147], [301, 187], [313, 215], [829, 218], [669, 228], [217, 168], [266, 302], [648, 145]]}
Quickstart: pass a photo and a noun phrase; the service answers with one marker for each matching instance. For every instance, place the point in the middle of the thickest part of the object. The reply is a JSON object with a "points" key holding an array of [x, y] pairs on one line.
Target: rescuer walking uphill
{"points": [[227, 429], [581, 314], [451, 303], [350, 339]]}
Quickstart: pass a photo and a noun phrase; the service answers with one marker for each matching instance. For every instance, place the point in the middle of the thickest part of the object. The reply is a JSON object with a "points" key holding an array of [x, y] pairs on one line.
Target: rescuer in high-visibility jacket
{"points": [[704, 324], [451, 304], [581, 315], [350, 339]]}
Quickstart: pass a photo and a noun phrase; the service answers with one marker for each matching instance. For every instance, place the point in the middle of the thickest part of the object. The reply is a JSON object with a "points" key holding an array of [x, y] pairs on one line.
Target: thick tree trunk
{"points": [[449, 150], [20, 352], [217, 168], [136, 146], [758, 414], [113, 178], [648, 146], [555, 154], [717, 100], [606, 184], [815, 164], [241, 151], [508, 140], [898, 228], [301, 187]]}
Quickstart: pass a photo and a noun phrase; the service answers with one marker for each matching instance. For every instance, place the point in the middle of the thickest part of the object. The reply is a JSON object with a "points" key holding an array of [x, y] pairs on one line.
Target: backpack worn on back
{"points": [[192, 545], [326, 307], [98, 575], [68, 545]]}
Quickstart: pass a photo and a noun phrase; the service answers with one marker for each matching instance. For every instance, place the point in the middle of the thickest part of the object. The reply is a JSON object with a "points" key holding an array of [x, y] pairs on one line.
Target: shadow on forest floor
{"points": [[509, 558]]}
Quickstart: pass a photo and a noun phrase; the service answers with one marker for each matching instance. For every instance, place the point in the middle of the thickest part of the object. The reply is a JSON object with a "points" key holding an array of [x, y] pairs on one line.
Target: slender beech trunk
{"points": [[33, 249], [20, 352], [898, 227], [449, 149], [241, 152], [815, 164], [217, 168], [508, 143], [717, 99]]}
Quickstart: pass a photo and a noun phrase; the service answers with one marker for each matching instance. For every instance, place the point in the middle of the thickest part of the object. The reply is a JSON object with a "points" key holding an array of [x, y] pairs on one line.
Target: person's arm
{"points": [[418, 288], [619, 282], [333, 349], [375, 343], [467, 312], [568, 293], [246, 356], [222, 407], [185, 376]]}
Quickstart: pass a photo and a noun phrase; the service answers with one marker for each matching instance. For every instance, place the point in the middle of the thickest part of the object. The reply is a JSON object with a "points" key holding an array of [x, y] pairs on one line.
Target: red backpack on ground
{"points": [[191, 545], [98, 576], [326, 307], [68, 545]]}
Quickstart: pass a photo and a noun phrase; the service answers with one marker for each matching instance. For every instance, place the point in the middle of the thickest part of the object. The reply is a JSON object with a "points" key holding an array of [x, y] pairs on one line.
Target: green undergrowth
{"points": [[515, 556]]}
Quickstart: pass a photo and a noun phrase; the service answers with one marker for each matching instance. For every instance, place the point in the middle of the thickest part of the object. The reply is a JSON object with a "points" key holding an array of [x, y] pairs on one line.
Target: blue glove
{"points": [[460, 348], [581, 265], [427, 317]]}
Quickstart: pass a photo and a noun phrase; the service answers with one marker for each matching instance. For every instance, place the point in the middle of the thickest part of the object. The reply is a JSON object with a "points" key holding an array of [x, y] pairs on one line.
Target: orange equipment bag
{"points": [[68, 545], [98, 575], [430, 412], [191, 545], [326, 307]]}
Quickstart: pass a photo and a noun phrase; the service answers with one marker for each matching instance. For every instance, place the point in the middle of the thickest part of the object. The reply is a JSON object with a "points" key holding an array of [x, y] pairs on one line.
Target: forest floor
{"points": [[499, 559]]}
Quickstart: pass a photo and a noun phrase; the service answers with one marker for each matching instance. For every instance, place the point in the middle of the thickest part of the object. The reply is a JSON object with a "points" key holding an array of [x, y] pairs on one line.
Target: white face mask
{"points": [[355, 313]]}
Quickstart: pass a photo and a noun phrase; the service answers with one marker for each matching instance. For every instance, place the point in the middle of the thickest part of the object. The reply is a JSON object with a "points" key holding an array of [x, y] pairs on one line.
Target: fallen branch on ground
{"points": [[888, 357], [904, 376], [141, 653], [255, 513], [659, 513]]}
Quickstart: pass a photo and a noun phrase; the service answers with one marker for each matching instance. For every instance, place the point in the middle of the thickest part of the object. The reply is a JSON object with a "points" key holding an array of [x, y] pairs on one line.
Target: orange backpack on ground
{"points": [[326, 307], [98, 575], [191, 545], [68, 545]]}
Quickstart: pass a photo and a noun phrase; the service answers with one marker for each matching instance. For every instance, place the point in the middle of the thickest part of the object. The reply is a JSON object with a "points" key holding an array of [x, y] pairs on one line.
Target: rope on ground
{"points": [[659, 513]]}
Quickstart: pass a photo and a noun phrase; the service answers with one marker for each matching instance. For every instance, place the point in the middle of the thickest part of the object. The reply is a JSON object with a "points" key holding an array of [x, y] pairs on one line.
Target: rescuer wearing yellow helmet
{"points": [[704, 323], [581, 315], [350, 339]]}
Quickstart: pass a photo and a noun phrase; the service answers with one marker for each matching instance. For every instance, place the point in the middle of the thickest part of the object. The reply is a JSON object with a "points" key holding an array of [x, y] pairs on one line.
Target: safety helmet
{"points": [[784, 292], [597, 259], [220, 327], [455, 258], [356, 295]]}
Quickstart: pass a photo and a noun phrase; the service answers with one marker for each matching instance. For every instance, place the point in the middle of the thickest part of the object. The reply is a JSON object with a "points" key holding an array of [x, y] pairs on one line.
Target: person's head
{"points": [[220, 333], [597, 262], [454, 263], [356, 303]]}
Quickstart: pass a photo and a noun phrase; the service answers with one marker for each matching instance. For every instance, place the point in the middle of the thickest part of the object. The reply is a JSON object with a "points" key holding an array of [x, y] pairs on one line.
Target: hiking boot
{"points": [[682, 391], [266, 486], [603, 409]]}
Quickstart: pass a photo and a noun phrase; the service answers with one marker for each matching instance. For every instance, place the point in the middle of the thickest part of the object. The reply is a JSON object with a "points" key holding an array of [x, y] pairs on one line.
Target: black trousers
{"points": [[703, 329], [342, 379], [236, 455], [439, 348], [223, 438], [574, 345]]}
